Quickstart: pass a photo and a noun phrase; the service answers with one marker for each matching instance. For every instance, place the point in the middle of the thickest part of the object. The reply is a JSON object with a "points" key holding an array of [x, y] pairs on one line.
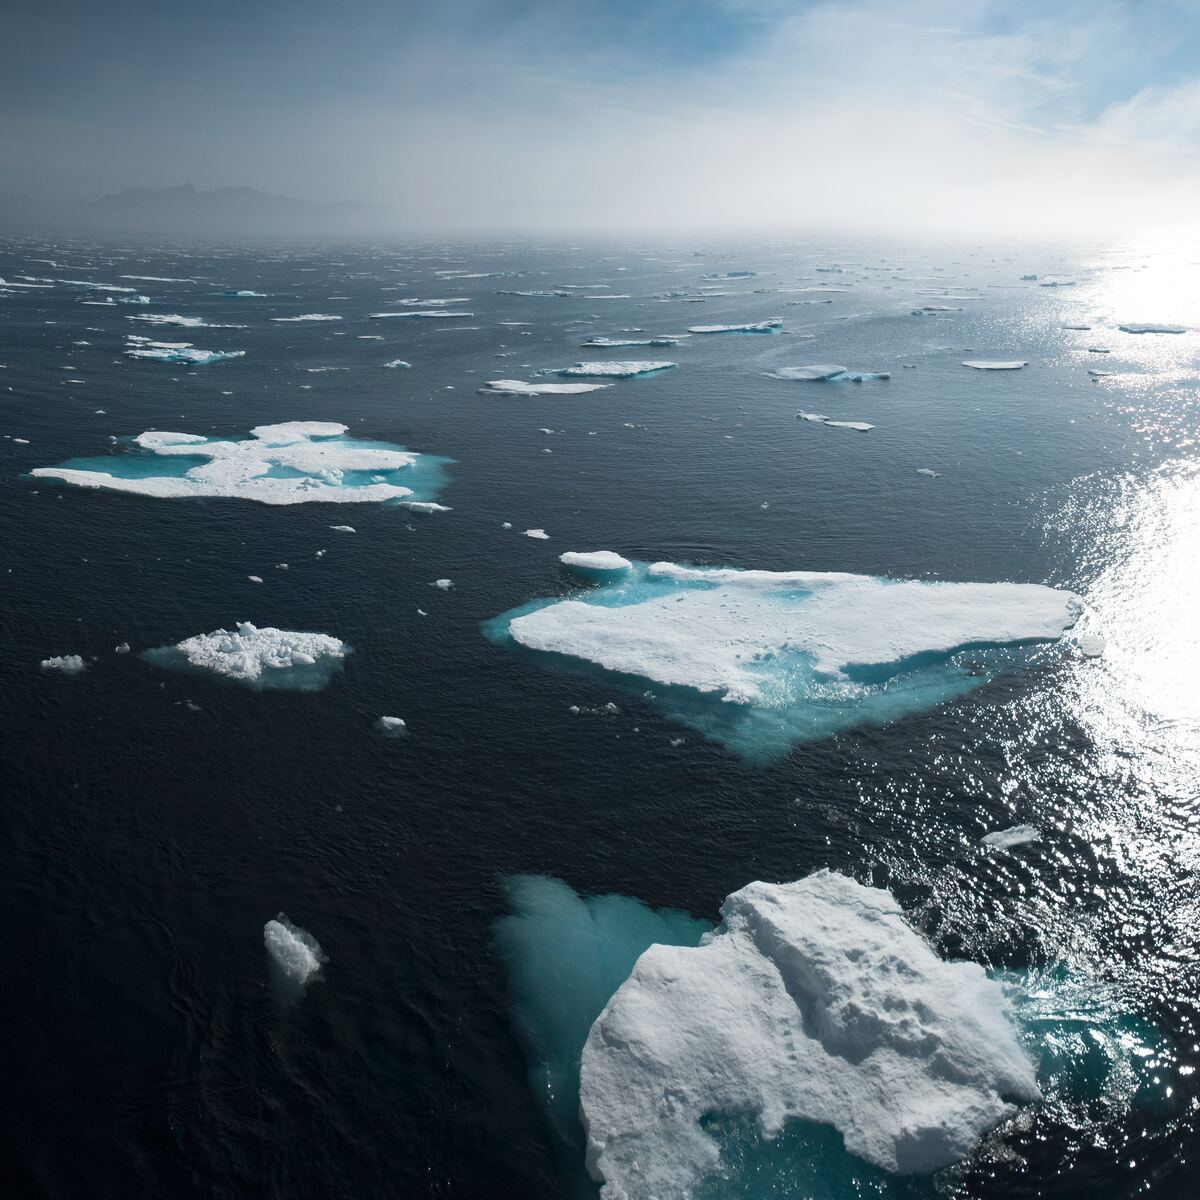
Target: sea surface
{"points": [[152, 822]]}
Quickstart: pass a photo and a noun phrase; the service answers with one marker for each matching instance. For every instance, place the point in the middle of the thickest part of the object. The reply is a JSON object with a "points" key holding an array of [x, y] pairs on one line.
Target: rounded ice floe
{"points": [[755, 327], [595, 562], [258, 657], [1133, 327], [1015, 835], [987, 364], [443, 585], [619, 370], [292, 462], [518, 387], [293, 950], [723, 629], [391, 726], [825, 373], [812, 1001], [64, 664]]}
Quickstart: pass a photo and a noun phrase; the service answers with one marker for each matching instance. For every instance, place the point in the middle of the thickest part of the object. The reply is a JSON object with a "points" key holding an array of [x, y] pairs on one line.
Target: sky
{"points": [[578, 116]]}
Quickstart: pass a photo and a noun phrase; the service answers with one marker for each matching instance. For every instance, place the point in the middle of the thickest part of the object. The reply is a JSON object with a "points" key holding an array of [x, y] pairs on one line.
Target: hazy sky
{"points": [[576, 115]]}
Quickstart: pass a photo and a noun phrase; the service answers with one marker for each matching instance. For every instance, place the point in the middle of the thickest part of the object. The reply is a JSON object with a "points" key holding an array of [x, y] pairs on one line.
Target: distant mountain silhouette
{"points": [[187, 210]]}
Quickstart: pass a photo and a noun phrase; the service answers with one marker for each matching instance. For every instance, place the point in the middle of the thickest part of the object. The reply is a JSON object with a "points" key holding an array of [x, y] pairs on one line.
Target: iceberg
{"points": [[757, 327], [175, 352], [64, 664], [1133, 328], [825, 373], [306, 317], [618, 370], [294, 462], [295, 951], [982, 364], [760, 660], [517, 387], [812, 1001], [259, 658]]}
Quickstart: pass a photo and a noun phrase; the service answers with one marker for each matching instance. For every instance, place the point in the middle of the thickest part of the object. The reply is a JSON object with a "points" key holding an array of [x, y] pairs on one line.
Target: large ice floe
{"points": [[812, 1045], [175, 352], [519, 387], [825, 373], [260, 658], [755, 327], [295, 462], [295, 951], [617, 370], [814, 1001], [759, 660]]}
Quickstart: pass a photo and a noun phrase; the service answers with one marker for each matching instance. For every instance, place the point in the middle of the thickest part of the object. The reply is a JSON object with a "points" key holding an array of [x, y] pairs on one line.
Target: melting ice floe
{"points": [[757, 327], [759, 660], [391, 726], [1134, 328], [398, 362], [822, 419], [982, 364], [293, 950], [599, 562], [611, 343], [64, 664], [815, 1001], [307, 317], [180, 321], [175, 352], [518, 387], [260, 658], [428, 314], [881, 1035], [295, 462], [825, 373], [1015, 835], [620, 370]]}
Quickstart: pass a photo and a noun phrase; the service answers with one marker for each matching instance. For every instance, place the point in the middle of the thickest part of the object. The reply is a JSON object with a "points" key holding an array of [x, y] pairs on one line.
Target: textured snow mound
{"points": [[812, 1000]]}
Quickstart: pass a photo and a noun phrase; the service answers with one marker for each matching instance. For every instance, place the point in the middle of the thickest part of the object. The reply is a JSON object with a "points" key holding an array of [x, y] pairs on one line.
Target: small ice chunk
{"points": [[343, 528], [64, 664], [123, 648], [595, 560], [443, 584], [540, 534], [986, 364], [518, 387], [391, 726], [932, 474], [1015, 835], [254, 578], [294, 950], [398, 362]]}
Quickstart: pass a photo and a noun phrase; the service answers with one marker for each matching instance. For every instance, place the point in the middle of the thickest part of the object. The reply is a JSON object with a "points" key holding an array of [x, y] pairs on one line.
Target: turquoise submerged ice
{"points": [[295, 462], [703, 1052], [760, 660]]}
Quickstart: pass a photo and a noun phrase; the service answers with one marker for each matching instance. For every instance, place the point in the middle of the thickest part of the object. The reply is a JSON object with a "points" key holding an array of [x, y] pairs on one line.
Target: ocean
{"points": [[154, 820]]}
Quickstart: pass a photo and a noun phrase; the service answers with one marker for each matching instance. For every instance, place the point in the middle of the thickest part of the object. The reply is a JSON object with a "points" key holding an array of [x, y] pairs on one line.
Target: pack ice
{"points": [[811, 1001], [259, 658], [294, 462], [762, 659]]}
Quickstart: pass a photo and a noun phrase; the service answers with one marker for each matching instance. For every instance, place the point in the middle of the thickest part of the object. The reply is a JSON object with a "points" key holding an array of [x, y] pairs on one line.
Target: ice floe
{"points": [[811, 1001], [608, 343], [599, 562], [518, 387], [1015, 835], [618, 370], [756, 327], [260, 658], [427, 314], [175, 352], [179, 321], [987, 364], [295, 951], [538, 534], [825, 373], [822, 419], [64, 664], [392, 726], [762, 659], [294, 462], [398, 363], [307, 317], [1134, 328]]}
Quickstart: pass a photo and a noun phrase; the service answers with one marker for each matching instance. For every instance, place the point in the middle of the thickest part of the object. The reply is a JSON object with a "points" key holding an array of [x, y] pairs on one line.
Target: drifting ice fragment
{"points": [[1153, 328], [175, 352], [825, 373], [293, 950], [596, 561], [621, 370], [391, 726], [1016, 835], [517, 387], [307, 317], [757, 327], [64, 664], [994, 365]]}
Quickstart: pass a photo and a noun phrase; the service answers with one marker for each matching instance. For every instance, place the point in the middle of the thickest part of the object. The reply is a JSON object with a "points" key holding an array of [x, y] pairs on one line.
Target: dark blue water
{"points": [[152, 823]]}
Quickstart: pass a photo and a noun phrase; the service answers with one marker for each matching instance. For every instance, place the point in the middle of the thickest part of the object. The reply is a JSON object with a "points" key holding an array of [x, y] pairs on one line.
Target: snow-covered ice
{"points": [[64, 664], [1015, 835], [599, 561], [307, 317], [825, 373], [179, 321], [540, 534], [822, 419], [175, 352], [618, 370], [813, 1001], [986, 364], [391, 726], [608, 343], [293, 462], [258, 657], [518, 387], [755, 327], [293, 950]]}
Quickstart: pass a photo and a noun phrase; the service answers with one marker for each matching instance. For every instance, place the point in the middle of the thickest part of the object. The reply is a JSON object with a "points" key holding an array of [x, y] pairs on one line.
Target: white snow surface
{"points": [[595, 560], [721, 638], [812, 1000], [296, 952], [620, 370], [758, 327], [64, 664], [518, 387], [986, 364], [1133, 327], [249, 654], [238, 469]]}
